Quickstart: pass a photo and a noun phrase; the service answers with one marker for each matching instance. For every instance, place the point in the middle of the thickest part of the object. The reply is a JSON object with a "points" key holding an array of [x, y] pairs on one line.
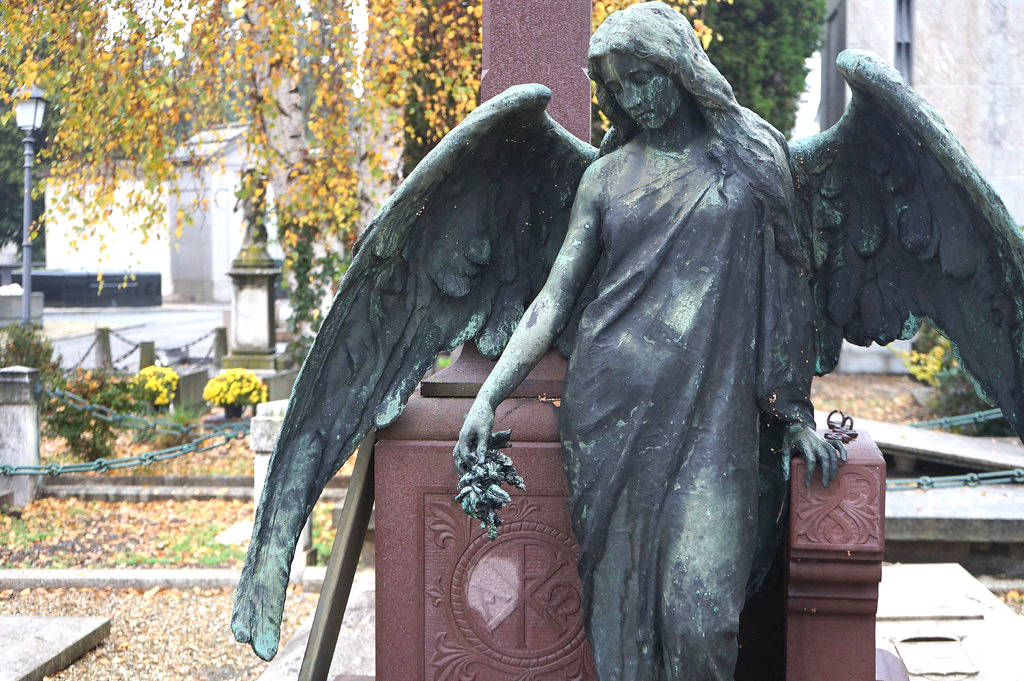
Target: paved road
{"points": [[168, 326]]}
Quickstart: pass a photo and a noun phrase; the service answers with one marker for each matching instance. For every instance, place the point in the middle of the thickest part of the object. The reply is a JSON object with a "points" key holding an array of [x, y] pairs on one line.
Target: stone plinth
{"points": [[451, 603], [19, 426], [190, 388], [836, 542], [10, 308], [252, 334]]}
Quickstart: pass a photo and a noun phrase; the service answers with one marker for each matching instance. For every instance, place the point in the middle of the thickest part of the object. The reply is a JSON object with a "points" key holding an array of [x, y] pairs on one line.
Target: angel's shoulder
{"points": [[601, 175]]}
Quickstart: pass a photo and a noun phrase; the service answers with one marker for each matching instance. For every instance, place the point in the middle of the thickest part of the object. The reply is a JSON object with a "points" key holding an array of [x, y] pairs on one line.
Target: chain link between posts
{"points": [[961, 420], [214, 438]]}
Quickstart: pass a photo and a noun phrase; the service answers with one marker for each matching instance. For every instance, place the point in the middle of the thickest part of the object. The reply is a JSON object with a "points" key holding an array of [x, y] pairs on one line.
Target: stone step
{"points": [[36, 646], [75, 479], [982, 527]]}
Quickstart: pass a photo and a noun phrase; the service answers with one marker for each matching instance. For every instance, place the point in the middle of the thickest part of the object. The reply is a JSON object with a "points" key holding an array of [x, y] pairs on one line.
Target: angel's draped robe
{"points": [[699, 328]]}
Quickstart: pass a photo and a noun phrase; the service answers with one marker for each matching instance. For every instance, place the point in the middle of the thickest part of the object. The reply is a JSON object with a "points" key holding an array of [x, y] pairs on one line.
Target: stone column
{"points": [[836, 542], [252, 335], [263, 431], [19, 424], [539, 41]]}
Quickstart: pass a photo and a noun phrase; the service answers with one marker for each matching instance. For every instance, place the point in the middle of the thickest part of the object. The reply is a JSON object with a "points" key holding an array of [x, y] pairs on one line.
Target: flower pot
{"points": [[233, 411]]}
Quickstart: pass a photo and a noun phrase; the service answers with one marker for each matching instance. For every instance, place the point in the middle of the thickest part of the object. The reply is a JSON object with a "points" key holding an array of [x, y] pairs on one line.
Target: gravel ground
{"points": [[158, 635]]}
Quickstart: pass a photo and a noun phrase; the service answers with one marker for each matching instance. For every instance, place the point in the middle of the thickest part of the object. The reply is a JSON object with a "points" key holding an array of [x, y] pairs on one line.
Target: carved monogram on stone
{"points": [[507, 610], [846, 516]]}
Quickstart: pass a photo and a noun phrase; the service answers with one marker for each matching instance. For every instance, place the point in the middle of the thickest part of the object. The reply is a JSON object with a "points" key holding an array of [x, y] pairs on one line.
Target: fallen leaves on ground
{"points": [[1014, 599], [878, 397], [70, 533], [159, 634]]}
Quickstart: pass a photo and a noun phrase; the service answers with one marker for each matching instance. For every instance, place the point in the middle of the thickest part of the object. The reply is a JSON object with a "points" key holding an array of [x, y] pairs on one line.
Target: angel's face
{"points": [[644, 90]]}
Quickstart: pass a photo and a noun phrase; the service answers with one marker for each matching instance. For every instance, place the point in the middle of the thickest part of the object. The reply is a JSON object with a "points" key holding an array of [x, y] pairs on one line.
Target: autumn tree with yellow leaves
{"points": [[332, 113]]}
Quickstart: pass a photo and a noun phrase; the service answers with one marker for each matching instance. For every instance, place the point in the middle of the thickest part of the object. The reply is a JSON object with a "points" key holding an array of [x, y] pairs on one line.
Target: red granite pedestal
{"points": [[452, 605], [834, 565]]}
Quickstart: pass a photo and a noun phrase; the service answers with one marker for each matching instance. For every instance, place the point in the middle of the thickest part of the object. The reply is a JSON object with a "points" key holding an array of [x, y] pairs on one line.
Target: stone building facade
{"points": [[965, 57]]}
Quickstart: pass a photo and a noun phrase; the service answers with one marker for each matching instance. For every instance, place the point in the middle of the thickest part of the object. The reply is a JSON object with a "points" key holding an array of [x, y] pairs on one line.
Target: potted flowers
{"points": [[155, 386], [234, 389]]}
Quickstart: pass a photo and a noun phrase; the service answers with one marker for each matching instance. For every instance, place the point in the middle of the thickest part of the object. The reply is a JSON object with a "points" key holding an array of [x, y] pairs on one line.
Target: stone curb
{"points": [[125, 578], [139, 493], [137, 578], [1000, 584]]}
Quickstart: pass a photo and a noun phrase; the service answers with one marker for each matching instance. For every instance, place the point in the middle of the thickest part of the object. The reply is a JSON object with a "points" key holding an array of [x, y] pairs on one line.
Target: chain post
{"points": [[104, 358], [147, 354], [220, 346]]}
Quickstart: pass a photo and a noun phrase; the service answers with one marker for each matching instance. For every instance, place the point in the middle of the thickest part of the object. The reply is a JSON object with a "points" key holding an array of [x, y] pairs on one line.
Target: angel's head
{"points": [[658, 44]]}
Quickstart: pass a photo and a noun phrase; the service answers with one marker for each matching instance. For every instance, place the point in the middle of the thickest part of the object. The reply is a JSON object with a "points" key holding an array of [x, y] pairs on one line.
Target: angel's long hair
{"points": [[739, 141]]}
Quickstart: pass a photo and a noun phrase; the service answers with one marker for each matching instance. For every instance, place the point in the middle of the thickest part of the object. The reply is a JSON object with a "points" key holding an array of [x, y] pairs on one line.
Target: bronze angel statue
{"points": [[698, 271]]}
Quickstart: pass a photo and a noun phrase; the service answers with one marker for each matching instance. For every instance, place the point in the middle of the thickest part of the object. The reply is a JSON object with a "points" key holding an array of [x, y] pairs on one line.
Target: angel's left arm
{"points": [[786, 364], [785, 340]]}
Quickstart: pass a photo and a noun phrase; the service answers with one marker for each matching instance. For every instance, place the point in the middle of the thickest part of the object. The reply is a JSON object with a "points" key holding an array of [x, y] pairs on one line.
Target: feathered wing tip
{"points": [[904, 227], [449, 258]]}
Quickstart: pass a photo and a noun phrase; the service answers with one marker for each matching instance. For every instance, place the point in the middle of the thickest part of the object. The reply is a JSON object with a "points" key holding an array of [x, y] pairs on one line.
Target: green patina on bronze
{"points": [[697, 271]]}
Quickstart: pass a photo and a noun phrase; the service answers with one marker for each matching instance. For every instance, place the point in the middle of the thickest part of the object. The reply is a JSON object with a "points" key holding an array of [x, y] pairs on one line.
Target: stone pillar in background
{"points": [[19, 425], [836, 542], [539, 41], [253, 280], [252, 339], [263, 431]]}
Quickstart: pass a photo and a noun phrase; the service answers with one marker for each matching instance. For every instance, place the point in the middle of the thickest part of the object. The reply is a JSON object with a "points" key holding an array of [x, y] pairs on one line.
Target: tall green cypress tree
{"points": [[764, 46]]}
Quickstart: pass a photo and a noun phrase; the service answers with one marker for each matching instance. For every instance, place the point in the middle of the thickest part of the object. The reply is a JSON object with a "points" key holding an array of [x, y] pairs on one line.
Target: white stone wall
{"points": [[871, 25], [118, 244], [969, 65], [203, 253]]}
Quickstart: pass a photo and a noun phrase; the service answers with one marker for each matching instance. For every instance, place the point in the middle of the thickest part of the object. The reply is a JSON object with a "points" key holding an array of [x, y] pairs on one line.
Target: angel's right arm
{"points": [[545, 318]]}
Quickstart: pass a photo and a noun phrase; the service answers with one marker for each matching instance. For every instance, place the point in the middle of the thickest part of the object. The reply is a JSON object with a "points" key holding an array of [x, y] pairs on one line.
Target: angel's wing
{"points": [[459, 250], [902, 226]]}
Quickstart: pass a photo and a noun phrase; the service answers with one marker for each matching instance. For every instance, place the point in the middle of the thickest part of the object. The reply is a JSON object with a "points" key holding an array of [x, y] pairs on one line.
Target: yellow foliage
{"points": [[235, 387], [132, 83], [927, 366], [157, 385]]}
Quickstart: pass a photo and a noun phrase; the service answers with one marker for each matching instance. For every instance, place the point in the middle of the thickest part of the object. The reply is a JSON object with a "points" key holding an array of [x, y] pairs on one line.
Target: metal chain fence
{"points": [[213, 438], [961, 420]]}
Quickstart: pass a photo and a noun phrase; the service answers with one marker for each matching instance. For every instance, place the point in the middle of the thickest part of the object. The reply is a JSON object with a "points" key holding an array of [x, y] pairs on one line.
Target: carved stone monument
{"points": [[252, 340], [697, 271]]}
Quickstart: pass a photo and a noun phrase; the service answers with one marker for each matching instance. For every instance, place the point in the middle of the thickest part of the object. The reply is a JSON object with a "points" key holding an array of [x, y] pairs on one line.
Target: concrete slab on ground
{"points": [[943, 623], [989, 513], [354, 656], [40, 646], [239, 533], [969, 453], [981, 528]]}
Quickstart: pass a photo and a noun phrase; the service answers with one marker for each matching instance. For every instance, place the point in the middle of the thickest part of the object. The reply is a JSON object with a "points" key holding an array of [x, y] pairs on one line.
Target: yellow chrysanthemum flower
{"points": [[235, 387]]}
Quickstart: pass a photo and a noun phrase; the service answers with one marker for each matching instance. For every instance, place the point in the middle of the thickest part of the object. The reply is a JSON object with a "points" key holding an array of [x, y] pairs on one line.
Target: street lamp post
{"points": [[28, 111]]}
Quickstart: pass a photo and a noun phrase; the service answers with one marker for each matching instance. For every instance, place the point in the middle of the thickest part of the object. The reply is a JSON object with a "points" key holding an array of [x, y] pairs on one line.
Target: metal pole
{"points": [[341, 567], [26, 234]]}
